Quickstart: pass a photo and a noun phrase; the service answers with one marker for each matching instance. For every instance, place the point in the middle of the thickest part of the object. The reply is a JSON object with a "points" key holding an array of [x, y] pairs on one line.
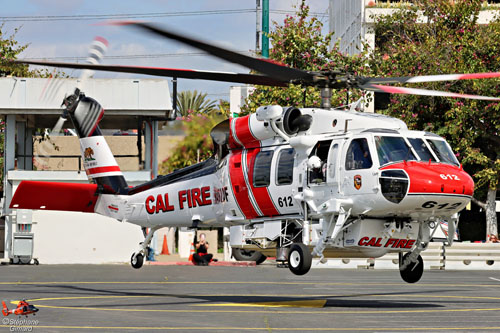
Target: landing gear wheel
{"points": [[24, 260], [414, 271], [299, 259], [137, 261], [245, 255]]}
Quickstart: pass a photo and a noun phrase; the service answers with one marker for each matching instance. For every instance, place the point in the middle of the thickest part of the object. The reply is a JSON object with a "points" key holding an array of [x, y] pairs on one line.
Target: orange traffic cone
{"points": [[191, 252], [164, 250]]}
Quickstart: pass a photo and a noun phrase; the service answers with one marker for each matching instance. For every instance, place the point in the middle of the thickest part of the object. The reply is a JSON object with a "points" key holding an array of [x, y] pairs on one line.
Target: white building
{"points": [[352, 20]]}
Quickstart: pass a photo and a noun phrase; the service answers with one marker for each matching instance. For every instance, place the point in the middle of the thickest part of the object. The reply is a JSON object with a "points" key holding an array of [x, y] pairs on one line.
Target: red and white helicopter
{"points": [[324, 182]]}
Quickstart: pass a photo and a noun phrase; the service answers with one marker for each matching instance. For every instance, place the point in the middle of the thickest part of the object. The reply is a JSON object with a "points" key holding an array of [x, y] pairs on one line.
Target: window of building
{"points": [[358, 155], [262, 169], [285, 167]]}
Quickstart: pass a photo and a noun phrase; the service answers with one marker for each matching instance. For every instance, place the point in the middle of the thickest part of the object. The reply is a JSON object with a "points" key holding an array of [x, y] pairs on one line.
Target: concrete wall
{"points": [[80, 238], [83, 238], [120, 145]]}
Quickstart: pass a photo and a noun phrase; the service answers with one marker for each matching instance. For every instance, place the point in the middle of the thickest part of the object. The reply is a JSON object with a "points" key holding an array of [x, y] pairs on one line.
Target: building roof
{"points": [[124, 100]]}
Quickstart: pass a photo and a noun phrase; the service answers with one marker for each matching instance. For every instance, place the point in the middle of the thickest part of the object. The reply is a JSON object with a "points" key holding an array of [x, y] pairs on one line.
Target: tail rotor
{"points": [[96, 52]]}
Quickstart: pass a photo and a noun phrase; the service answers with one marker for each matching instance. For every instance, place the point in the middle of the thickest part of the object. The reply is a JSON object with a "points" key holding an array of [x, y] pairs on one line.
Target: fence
{"points": [[459, 256]]}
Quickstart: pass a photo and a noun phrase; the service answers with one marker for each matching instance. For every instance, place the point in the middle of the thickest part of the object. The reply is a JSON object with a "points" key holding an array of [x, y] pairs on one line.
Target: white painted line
{"points": [[492, 278]]}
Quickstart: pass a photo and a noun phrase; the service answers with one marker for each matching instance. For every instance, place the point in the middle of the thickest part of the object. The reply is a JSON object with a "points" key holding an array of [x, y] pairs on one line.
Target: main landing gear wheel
{"points": [[413, 272], [137, 261], [299, 259], [249, 255]]}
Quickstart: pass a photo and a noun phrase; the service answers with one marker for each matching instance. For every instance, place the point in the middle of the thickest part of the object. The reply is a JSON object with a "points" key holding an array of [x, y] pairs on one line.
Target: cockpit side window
{"points": [[421, 148], [358, 155], [443, 152], [262, 169], [393, 149]]}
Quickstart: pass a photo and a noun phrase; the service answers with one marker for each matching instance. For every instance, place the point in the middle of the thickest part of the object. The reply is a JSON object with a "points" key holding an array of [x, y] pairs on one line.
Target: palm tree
{"points": [[191, 101]]}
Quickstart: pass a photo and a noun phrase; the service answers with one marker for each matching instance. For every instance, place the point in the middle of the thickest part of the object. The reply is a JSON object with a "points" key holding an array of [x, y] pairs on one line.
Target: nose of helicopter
{"points": [[435, 178]]}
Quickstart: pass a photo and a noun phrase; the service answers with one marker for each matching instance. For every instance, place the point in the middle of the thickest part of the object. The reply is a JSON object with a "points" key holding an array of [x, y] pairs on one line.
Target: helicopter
{"points": [[23, 309], [304, 182]]}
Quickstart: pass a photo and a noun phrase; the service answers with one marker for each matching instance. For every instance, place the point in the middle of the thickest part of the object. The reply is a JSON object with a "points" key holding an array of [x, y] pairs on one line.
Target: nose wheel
{"points": [[137, 260], [299, 259], [413, 271]]}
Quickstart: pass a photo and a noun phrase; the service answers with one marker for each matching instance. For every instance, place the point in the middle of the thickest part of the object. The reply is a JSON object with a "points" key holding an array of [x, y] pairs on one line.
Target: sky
{"points": [[51, 36]]}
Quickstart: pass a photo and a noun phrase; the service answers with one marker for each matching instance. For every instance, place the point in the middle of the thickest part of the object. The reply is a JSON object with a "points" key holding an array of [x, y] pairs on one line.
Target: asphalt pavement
{"points": [[118, 298]]}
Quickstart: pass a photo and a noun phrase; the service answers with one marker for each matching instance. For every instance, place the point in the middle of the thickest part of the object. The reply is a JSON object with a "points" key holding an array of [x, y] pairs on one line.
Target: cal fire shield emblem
{"points": [[357, 182]]}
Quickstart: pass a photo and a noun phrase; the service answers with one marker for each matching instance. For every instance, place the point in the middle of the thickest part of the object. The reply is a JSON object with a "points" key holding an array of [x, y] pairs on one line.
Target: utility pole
{"points": [[258, 18], [265, 28]]}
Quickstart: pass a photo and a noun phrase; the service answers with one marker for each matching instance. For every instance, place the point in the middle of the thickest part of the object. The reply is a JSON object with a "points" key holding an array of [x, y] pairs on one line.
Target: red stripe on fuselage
{"points": [[93, 171], [239, 186], [261, 194]]}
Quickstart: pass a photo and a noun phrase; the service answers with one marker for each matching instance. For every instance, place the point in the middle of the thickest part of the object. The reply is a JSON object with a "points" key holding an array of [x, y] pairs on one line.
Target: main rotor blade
{"points": [[432, 78], [171, 72], [423, 92], [266, 67]]}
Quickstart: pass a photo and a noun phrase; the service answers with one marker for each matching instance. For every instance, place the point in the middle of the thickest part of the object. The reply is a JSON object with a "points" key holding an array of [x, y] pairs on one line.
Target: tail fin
{"points": [[5, 309], [98, 161]]}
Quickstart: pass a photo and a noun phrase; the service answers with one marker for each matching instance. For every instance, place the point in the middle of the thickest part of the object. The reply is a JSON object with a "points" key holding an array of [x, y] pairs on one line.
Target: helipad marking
{"points": [[316, 303], [263, 311], [261, 295]]}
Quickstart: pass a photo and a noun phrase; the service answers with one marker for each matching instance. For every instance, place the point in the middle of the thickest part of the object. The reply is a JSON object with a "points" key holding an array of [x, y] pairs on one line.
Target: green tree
{"points": [[451, 41], [195, 102], [197, 145], [9, 50], [299, 43]]}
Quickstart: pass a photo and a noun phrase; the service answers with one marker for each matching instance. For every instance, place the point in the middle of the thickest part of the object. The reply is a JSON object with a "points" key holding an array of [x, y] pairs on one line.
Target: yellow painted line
{"points": [[319, 303], [231, 328], [497, 285], [82, 282], [279, 304], [261, 295], [90, 297]]}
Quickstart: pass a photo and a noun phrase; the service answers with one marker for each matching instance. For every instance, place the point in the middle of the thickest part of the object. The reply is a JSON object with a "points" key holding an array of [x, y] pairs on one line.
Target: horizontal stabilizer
{"points": [[71, 197]]}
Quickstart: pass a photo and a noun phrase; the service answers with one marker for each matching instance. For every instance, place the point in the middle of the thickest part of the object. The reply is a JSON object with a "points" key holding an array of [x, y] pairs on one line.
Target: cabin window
{"points": [[393, 149], [421, 148], [317, 175], [443, 152], [358, 155], [332, 161], [285, 167], [262, 169]]}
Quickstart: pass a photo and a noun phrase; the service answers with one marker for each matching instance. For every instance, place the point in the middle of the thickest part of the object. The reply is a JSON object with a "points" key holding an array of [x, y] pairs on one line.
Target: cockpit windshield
{"points": [[443, 152], [421, 148], [393, 149]]}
